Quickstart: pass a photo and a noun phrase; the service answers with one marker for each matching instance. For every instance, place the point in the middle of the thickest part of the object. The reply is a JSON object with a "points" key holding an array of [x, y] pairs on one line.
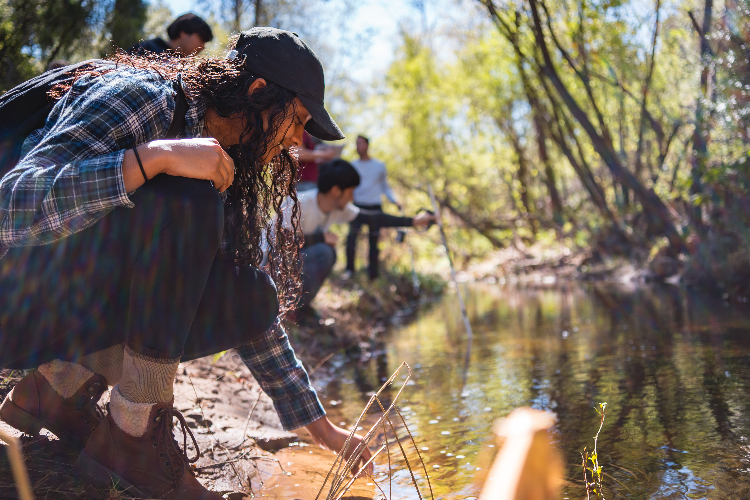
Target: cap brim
{"points": [[321, 125]]}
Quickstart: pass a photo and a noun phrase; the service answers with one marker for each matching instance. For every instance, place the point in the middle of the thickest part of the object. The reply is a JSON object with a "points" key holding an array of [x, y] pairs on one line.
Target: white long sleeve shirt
{"points": [[312, 218], [373, 183]]}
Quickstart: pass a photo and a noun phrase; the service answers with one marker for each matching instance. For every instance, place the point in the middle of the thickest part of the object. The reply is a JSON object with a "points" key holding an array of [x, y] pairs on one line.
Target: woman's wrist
{"points": [[153, 161], [319, 430], [155, 158]]}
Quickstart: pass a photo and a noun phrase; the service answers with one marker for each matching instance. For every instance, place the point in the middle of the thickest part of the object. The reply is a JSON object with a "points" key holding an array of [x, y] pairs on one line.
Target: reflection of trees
{"points": [[654, 415], [656, 354]]}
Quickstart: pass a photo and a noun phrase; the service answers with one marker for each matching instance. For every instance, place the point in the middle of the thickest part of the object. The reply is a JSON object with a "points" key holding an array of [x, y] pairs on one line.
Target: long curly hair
{"points": [[258, 191]]}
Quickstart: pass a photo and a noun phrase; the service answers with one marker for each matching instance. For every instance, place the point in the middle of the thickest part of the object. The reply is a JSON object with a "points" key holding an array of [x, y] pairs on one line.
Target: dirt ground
{"points": [[245, 453]]}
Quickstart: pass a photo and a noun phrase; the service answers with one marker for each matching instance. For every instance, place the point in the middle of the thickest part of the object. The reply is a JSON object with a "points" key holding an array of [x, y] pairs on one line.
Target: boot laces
{"points": [[89, 403], [167, 424]]}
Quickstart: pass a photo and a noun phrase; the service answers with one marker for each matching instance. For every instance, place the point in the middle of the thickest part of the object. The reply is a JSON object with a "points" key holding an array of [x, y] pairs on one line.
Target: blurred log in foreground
{"points": [[528, 466]]}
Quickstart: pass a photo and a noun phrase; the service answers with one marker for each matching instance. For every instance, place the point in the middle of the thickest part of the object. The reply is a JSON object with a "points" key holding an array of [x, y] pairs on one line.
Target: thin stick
{"points": [[211, 433], [320, 363], [414, 279], [438, 216], [18, 466]]}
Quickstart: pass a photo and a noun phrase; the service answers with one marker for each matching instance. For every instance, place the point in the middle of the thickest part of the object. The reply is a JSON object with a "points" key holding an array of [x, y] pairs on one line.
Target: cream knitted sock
{"points": [[130, 417], [65, 377], [107, 362], [147, 380]]}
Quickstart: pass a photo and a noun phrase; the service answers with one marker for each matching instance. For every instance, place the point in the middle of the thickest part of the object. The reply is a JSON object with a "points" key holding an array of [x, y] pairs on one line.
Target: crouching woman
{"points": [[122, 253]]}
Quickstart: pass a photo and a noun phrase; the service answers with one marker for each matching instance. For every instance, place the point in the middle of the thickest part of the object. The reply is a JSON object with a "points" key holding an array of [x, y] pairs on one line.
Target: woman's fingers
{"points": [[227, 165], [366, 455], [219, 169]]}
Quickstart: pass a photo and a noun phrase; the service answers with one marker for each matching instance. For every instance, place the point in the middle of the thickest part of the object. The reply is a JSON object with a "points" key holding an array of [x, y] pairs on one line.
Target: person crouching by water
{"points": [[319, 209], [123, 254]]}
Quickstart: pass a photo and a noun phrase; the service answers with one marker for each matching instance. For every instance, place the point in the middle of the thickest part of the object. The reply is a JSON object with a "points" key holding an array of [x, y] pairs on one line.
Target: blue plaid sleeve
{"points": [[274, 365], [70, 172]]}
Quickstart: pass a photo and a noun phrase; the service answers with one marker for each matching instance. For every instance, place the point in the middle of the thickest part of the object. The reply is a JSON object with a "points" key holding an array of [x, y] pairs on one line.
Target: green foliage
{"points": [[158, 17], [34, 32], [465, 123], [439, 133], [126, 22]]}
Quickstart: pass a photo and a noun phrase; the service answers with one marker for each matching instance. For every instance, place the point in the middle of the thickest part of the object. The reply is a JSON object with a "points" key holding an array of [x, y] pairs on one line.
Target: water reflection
{"points": [[671, 365]]}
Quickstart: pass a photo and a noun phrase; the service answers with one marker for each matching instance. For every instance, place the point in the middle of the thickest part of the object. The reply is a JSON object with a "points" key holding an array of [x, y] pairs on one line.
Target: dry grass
{"points": [[50, 467], [341, 474]]}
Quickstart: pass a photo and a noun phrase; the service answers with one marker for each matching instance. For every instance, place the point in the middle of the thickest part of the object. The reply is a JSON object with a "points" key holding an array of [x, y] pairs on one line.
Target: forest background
{"points": [[615, 131]]}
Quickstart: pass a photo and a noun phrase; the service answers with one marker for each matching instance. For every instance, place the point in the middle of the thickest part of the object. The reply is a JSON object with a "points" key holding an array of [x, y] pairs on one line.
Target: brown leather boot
{"points": [[150, 466], [33, 404]]}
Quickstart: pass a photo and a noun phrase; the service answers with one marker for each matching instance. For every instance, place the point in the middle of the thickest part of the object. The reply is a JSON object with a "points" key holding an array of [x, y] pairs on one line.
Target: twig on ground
{"points": [[211, 432], [321, 362], [247, 422]]}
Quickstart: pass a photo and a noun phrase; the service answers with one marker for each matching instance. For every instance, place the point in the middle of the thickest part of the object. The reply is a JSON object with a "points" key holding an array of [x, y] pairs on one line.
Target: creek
{"points": [[672, 365]]}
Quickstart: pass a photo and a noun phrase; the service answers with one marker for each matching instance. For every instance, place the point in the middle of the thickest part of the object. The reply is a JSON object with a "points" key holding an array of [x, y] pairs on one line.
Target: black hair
{"points": [[57, 63], [190, 23], [339, 173], [365, 138]]}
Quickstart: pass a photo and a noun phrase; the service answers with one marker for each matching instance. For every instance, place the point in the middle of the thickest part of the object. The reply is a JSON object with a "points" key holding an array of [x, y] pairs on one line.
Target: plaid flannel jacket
{"points": [[70, 176]]}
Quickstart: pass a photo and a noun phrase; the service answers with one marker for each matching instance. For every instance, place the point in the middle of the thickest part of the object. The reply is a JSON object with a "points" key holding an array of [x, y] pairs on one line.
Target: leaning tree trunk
{"points": [[541, 137], [700, 133], [652, 205], [523, 169], [260, 18]]}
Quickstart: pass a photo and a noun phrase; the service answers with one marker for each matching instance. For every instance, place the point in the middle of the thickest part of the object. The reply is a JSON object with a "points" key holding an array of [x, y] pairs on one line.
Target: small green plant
{"points": [[590, 463]]}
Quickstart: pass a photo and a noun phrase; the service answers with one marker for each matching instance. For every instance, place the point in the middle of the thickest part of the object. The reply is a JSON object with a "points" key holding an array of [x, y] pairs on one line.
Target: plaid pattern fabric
{"points": [[272, 361], [70, 176], [70, 172]]}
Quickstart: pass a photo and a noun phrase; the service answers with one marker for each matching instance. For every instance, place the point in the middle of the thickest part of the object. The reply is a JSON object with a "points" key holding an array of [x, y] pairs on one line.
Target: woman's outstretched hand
{"points": [[330, 437], [199, 158]]}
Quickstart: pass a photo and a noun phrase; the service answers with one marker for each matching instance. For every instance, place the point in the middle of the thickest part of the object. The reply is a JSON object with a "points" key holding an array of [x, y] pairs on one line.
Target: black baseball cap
{"points": [[281, 57]]}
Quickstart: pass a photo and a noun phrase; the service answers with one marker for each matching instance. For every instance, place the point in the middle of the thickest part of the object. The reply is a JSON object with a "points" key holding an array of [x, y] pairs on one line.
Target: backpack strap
{"points": [[177, 127]]}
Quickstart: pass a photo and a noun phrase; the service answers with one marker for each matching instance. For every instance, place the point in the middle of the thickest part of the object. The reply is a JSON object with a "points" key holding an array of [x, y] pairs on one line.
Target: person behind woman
{"points": [[188, 35], [331, 203], [122, 253]]}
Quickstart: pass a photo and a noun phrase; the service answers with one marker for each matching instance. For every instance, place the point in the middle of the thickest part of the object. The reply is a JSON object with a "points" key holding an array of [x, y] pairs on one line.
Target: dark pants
{"points": [[149, 276], [373, 216], [317, 263]]}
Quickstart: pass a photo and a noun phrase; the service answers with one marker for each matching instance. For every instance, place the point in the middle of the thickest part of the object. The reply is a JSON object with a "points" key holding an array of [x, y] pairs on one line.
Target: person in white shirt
{"points": [[331, 203], [368, 196]]}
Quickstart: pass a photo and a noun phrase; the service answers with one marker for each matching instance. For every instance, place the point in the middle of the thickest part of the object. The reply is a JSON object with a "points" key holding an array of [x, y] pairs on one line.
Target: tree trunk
{"points": [[259, 15], [563, 129], [700, 134], [237, 15], [523, 169], [549, 173], [541, 137], [485, 228]]}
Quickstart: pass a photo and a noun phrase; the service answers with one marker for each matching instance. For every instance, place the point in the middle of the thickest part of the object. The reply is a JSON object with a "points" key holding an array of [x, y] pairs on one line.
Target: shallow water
{"points": [[672, 366]]}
